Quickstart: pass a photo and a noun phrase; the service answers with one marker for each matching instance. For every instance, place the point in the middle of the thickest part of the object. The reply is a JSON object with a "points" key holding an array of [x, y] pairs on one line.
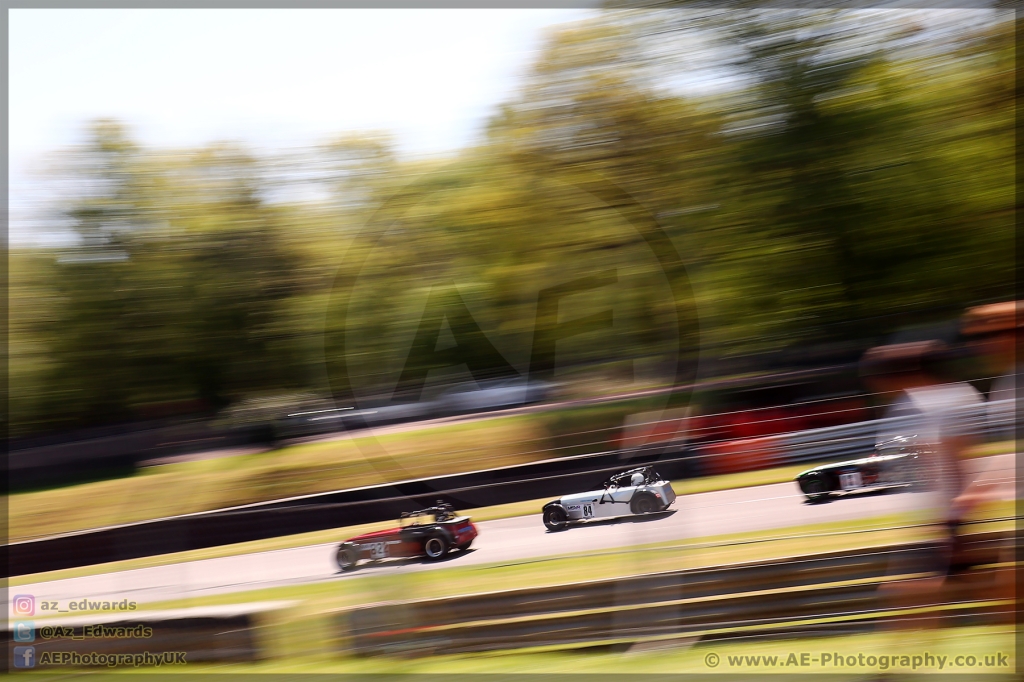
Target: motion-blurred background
{"points": [[827, 178], [263, 254]]}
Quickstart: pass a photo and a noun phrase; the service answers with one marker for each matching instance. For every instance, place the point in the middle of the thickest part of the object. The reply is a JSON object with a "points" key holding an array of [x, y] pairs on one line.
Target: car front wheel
{"points": [[347, 556], [814, 489], [555, 518]]}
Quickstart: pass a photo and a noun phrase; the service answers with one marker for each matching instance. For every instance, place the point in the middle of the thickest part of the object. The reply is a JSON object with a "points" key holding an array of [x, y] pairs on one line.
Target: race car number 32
{"points": [[378, 550], [850, 481]]}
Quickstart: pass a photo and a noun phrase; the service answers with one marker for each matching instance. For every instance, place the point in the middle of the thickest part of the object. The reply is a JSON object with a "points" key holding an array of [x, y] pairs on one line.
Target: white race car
{"points": [[637, 491]]}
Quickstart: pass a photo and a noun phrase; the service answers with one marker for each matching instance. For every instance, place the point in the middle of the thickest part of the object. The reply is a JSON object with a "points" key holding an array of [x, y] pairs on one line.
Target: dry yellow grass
{"points": [[298, 470]]}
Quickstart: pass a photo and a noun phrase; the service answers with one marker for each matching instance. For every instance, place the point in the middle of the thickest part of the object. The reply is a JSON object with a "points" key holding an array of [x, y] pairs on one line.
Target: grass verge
{"points": [[188, 487], [1004, 447]]}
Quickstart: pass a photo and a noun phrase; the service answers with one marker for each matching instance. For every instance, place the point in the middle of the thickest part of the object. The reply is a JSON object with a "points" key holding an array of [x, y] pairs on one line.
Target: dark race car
{"points": [[430, 533], [895, 463]]}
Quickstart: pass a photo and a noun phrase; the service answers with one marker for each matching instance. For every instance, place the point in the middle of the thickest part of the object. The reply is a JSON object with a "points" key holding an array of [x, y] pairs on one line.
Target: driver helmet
{"points": [[637, 479]]}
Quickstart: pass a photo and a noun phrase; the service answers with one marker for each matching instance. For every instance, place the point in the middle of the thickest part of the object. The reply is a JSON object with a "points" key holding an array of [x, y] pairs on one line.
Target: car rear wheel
{"points": [[347, 556], [435, 547], [555, 518], [644, 504]]}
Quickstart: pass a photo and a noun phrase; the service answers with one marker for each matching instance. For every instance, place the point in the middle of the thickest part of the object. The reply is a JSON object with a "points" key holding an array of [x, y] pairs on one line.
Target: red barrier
{"points": [[734, 456]]}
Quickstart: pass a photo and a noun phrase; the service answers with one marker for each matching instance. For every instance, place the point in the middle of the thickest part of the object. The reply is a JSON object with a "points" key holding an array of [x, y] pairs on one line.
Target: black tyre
{"points": [[555, 518], [436, 547], [814, 489], [644, 504], [347, 556]]}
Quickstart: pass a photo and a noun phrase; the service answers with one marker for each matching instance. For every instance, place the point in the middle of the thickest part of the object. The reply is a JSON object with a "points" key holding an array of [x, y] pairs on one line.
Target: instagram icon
{"points": [[24, 605]]}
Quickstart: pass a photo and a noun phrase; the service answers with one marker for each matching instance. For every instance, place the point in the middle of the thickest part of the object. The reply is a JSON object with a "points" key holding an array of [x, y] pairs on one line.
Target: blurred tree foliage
{"points": [[856, 175]]}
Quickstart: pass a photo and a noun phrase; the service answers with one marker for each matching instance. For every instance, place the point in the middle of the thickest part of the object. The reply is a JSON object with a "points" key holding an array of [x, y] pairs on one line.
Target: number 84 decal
{"points": [[379, 550]]}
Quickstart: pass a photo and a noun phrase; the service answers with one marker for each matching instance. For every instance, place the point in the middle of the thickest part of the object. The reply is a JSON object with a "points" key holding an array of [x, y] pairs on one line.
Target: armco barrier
{"points": [[704, 593], [631, 591], [856, 440], [764, 596], [467, 490], [659, 619]]}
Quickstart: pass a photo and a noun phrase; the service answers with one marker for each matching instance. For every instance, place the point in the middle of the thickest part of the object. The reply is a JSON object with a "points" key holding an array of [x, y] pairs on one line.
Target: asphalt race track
{"points": [[513, 540]]}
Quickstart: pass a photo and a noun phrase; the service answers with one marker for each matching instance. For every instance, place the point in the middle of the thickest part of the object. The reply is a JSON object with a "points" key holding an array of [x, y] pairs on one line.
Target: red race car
{"points": [[430, 533]]}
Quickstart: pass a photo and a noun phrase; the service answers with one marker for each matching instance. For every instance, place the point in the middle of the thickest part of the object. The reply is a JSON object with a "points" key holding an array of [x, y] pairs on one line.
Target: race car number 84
{"points": [[588, 510], [850, 481]]}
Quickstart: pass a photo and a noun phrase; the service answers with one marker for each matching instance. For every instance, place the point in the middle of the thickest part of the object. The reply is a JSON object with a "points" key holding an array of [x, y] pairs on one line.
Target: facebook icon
{"points": [[24, 657]]}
